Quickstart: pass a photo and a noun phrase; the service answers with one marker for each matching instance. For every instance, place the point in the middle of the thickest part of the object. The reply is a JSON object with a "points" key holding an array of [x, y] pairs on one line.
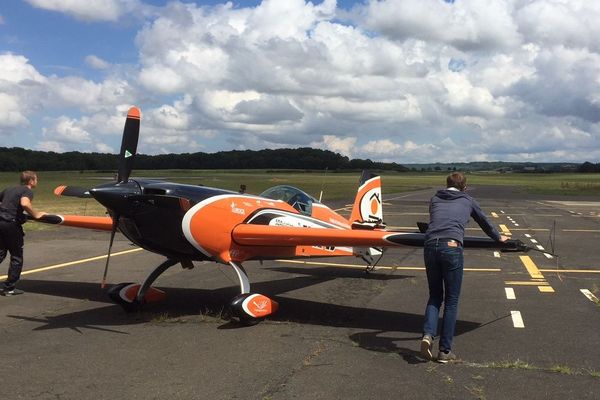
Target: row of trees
{"points": [[19, 159], [589, 167]]}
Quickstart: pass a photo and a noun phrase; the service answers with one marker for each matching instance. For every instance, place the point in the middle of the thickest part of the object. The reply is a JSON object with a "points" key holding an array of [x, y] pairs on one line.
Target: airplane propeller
{"points": [[114, 195], [129, 142]]}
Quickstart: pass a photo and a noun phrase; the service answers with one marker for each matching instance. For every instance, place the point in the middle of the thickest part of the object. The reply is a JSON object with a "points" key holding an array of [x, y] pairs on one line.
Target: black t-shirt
{"points": [[10, 206]]}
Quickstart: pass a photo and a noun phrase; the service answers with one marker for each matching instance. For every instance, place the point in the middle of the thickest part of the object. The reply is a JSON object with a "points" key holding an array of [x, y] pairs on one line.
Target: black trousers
{"points": [[11, 240]]}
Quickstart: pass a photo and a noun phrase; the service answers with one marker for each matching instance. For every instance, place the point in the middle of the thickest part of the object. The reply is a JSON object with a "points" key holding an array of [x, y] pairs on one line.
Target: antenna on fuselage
{"points": [[323, 184]]}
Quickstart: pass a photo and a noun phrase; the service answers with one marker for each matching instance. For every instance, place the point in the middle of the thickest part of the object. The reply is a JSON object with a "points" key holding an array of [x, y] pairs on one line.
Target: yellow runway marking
{"points": [[582, 230], [355, 266], [573, 271], [546, 289], [505, 230], [537, 279], [526, 283], [494, 215], [68, 264], [531, 267]]}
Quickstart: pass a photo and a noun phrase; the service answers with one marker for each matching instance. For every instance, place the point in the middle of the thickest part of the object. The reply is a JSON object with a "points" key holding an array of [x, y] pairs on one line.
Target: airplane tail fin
{"points": [[368, 207]]}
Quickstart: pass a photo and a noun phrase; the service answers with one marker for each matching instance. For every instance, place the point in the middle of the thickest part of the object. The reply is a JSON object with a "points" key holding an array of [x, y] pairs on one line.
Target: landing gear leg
{"points": [[249, 308], [131, 296]]}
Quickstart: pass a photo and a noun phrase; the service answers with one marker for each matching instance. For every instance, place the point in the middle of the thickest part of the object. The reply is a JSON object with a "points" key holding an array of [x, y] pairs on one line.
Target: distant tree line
{"points": [[589, 167], [18, 159]]}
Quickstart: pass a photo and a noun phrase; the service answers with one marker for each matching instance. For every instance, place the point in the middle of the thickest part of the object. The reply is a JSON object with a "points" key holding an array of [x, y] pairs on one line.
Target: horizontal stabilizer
{"points": [[261, 235]]}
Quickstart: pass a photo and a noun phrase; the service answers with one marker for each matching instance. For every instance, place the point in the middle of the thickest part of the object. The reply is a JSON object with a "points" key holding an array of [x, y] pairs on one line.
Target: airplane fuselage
{"points": [[196, 222]]}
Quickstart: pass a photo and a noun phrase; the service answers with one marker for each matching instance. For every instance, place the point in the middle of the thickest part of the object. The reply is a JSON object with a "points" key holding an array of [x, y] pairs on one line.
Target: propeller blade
{"points": [[72, 191], [112, 238], [131, 133]]}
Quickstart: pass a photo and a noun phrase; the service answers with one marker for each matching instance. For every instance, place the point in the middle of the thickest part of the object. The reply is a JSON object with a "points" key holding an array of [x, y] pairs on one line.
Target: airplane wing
{"points": [[267, 235], [101, 223]]}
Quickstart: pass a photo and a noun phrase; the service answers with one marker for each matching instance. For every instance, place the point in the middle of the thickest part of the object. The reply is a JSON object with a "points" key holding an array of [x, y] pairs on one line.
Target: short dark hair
{"points": [[457, 180], [27, 176]]}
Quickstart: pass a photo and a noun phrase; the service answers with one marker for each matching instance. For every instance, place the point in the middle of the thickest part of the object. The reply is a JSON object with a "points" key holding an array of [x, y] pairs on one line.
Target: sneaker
{"points": [[446, 357], [12, 292], [426, 344]]}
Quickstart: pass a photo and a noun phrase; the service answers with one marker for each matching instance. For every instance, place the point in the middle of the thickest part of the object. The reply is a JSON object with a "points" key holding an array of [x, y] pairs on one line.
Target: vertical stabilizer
{"points": [[368, 207]]}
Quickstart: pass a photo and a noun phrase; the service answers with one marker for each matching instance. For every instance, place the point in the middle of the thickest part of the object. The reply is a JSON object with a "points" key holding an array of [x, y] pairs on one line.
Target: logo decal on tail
{"points": [[367, 204]]}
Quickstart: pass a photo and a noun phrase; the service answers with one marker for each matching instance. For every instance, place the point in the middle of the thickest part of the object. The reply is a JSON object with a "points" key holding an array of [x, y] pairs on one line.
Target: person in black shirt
{"points": [[13, 201]]}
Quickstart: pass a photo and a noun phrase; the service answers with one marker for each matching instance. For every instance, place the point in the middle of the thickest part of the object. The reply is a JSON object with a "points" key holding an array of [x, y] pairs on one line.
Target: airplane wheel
{"points": [[116, 295], [251, 308]]}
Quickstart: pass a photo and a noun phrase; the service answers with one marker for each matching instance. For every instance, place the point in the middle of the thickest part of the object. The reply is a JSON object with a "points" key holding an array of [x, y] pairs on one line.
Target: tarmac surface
{"points": [[526, 329]]}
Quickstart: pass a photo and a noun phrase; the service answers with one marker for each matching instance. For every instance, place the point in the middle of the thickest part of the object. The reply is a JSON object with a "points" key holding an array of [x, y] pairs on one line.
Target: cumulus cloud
{"points": [[10, 113], [395, 80], [345, 146], [466, 24], [89, 10]]}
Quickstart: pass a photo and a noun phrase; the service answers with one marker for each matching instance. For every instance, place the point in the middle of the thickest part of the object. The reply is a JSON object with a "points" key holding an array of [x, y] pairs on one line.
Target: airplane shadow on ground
{"points": [[182, 302]]}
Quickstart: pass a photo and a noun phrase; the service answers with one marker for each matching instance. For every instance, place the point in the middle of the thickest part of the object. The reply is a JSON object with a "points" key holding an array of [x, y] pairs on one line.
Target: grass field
{"points": [[336, 186]]}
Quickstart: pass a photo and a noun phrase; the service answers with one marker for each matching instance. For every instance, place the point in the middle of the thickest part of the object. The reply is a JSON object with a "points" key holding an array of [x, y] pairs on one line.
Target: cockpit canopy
{"points": [[293, 196]]}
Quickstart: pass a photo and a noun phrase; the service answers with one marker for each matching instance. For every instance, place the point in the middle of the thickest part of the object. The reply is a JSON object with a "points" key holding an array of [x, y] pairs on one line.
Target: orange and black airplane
{"points": [[187, 223]]}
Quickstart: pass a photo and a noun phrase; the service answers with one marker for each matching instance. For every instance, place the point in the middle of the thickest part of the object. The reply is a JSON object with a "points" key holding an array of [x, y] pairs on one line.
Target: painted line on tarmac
{"points": [[533, 270], [517, 319], [68, 264], [546, 289], [537, 278], [526, 283], [582, 230], [590, 296], [510, 293], [494, 215], [505, 230], [356, 266], [573, 271]]}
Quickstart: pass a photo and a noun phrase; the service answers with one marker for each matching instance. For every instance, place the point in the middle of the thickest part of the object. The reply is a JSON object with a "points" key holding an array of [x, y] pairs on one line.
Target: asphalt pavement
{"points": [[528, 323]]}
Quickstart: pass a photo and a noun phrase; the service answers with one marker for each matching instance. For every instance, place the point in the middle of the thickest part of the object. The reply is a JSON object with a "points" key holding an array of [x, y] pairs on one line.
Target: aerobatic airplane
{"points": [[187, 223]]}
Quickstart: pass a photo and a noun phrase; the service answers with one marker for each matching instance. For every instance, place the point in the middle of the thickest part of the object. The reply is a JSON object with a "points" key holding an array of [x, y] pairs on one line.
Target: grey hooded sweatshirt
{"points": [[449, 212]]}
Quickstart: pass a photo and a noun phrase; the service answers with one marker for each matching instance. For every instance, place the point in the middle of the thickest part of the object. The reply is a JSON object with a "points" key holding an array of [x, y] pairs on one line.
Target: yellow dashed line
{"points": [[67, 264], [494, 215]]}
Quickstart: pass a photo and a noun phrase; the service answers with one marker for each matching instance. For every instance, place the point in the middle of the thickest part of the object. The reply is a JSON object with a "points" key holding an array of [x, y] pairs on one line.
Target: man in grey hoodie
{"points": [[449, 212]]}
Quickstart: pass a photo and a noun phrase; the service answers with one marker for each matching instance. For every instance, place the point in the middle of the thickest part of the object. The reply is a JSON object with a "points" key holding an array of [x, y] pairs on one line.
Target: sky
{"points": [[407, 81]]}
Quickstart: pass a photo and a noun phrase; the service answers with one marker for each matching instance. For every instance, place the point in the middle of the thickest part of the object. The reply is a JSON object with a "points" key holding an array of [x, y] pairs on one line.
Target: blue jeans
{"points": [[444, 266]]}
